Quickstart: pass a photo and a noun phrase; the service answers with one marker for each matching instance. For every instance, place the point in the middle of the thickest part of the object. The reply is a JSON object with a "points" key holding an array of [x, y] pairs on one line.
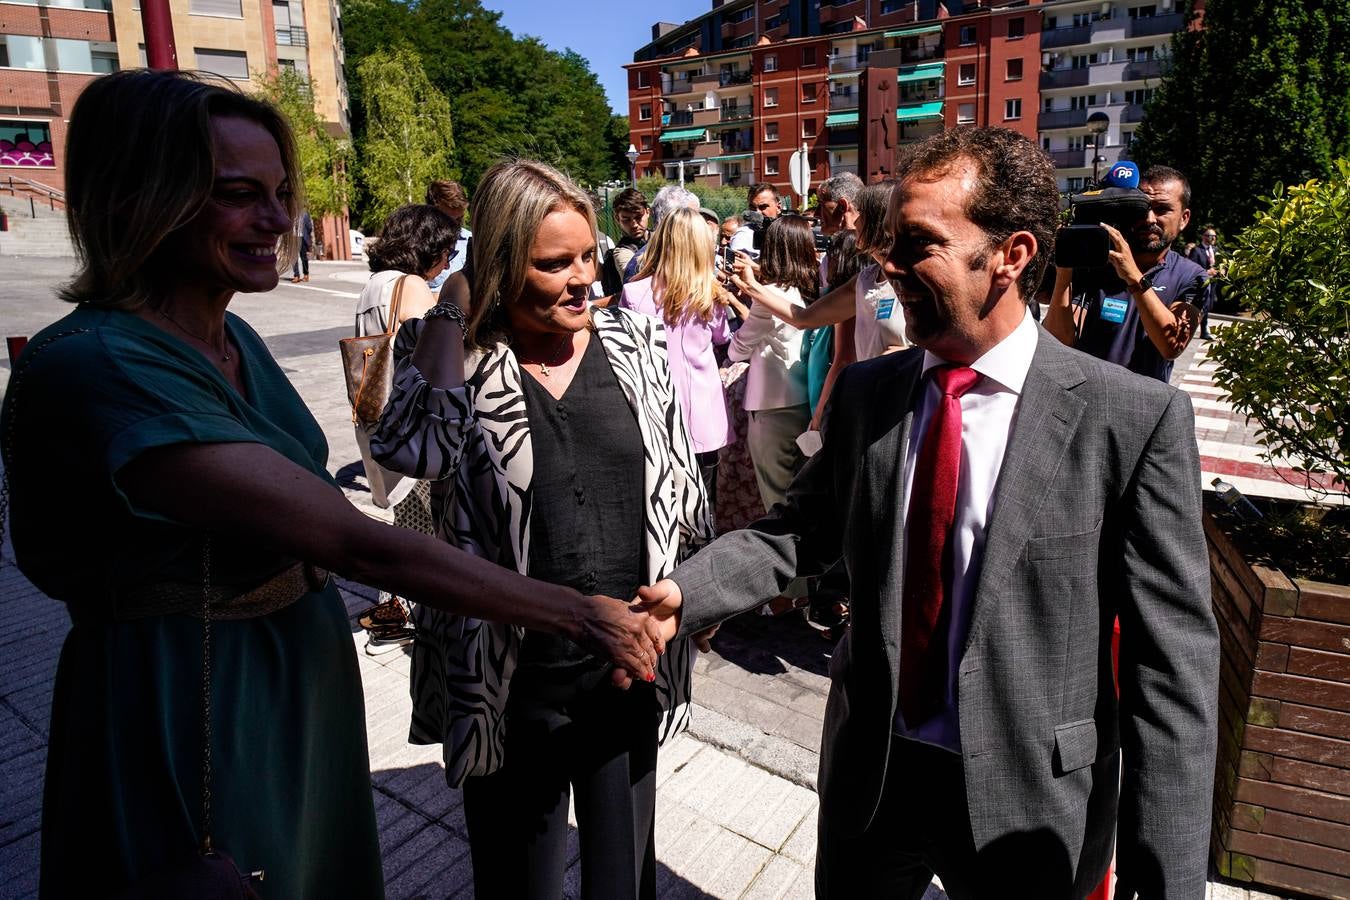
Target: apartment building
{"points": [[51, 49], [726, 98], [1101, 61]]}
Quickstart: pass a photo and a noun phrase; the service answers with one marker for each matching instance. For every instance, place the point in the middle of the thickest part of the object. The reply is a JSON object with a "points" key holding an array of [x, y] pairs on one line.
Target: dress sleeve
{"points": [[424, 429], [747, 339]]}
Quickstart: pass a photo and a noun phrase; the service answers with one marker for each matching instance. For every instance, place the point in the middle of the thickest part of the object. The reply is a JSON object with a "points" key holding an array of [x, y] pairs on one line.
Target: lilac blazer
{"points": [[693, 367]]}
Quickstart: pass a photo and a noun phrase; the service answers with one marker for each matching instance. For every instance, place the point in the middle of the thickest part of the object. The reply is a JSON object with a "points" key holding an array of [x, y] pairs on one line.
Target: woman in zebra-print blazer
{"points": [[556, 446]]}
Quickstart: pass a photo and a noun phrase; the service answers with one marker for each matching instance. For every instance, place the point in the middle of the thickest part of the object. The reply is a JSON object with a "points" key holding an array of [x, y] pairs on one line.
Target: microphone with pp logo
{"points": [[1123, 174]]}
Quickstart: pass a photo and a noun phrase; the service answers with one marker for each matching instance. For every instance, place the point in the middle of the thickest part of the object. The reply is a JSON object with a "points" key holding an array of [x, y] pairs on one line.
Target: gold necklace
{"points": [[223, 351], [554, 356]]}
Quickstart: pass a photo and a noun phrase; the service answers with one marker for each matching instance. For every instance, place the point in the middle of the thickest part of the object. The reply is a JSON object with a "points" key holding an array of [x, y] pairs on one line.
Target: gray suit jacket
{"points": [[1096, 514]]}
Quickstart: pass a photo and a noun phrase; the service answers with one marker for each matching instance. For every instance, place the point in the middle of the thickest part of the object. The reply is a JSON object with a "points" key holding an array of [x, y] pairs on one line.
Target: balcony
{"points": [[704, 80], [293, 36], [841, 137], [1133, 112], [850, 169], [706, 116], [844, 101], [736, 113], [1063, 78], [670, 85], [676, 119], [729, 79], [1143, 70], [709, 179], [1066, 37], [1061, 118], [898, 58], [1152, 25], [1071, 159], [842, 64]]}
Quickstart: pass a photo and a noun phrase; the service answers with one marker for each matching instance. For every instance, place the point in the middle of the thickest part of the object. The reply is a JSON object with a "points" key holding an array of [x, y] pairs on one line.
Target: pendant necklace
{"points": [[543, 366], [224, 352]]}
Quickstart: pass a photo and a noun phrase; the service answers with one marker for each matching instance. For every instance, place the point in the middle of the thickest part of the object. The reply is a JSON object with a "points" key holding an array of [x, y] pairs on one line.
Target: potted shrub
{"points": [[1282, 786]]}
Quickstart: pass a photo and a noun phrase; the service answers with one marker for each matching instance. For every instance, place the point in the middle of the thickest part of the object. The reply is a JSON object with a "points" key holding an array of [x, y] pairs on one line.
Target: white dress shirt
{"points": [[988, 412]]}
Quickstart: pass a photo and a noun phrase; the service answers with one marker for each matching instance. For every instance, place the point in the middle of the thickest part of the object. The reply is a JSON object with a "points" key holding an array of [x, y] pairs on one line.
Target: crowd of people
{"points": [[596, 451]]}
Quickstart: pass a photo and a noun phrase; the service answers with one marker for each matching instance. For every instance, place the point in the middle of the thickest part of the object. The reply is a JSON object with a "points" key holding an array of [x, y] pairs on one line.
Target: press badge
{"points": [[884, 308], [1114, 310]]}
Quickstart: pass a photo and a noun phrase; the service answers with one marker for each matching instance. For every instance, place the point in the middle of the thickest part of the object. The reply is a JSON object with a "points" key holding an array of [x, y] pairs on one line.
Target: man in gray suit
{"points": [[998, 500]]}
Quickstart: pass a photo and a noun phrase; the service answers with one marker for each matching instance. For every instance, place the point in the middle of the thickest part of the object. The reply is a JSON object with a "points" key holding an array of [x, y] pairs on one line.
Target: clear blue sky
{"points": [[606, 32]]}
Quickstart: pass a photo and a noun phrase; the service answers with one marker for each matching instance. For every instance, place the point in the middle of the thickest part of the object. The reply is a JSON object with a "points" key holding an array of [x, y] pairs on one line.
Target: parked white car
{"points": [[358, 243]]}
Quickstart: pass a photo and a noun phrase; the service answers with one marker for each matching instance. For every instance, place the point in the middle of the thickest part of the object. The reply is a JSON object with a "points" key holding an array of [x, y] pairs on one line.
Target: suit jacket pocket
{"points": [[1064, 546], [1075, 745]]}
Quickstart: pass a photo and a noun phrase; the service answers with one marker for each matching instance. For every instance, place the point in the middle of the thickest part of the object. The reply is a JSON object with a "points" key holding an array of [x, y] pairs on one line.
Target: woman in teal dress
{"points": [[155, 450]]}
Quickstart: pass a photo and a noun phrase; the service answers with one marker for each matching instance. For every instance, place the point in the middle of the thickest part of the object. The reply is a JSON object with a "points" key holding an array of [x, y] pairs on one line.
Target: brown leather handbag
{"points": [[368, 365]]}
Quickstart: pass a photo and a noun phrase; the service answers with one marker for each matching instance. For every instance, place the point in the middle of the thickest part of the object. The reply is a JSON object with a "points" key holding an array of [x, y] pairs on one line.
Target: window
{"points": [[1012, 109], [965, 114], [1045, 143], [646, 143], [1076, 183], [1083, 60], [740, 15], [21, 52], [1014, 70], [966, 74], [1016, 28], [770, 165], [230, 63], [1139, 96], [771, 96], [644, 112], [770, 131], [24, 143], [1080, 19], [770, 62], [1126, 138], [230, 9], [644, 78], [808, 128], [967, 35], [809, 92], [1048, 104], [1077, 142], [1140, 54], [1084, 101], [1143, 12], [808, 56]]}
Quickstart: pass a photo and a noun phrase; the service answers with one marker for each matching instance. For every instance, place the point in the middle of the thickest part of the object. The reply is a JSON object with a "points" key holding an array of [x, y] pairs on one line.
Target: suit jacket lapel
{"points": [[1048, 414]]}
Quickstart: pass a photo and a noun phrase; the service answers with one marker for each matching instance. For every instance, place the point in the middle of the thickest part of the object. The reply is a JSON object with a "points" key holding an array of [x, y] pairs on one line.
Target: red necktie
{"points": [[932, 509]]}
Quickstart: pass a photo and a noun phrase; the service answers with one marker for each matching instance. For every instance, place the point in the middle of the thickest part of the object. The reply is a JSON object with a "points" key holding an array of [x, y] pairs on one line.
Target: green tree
{"points": [[324, 160], [407, 141], [1288, 367], [1259, 95]]}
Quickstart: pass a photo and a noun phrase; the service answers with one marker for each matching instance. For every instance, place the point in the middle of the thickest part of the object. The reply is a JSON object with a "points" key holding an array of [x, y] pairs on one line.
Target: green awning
{"points": [[919, 111], [839, 120], [921, 73], [682, 134], [732, 156], [911, 32]]}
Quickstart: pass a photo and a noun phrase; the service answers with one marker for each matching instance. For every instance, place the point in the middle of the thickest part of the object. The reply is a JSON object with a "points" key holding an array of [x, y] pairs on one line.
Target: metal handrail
{"points": [[52, 194]]}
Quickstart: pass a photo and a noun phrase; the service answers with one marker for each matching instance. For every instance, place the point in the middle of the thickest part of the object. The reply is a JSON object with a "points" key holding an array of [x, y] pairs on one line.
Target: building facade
{"points": [[51, 49], [728, 97]]}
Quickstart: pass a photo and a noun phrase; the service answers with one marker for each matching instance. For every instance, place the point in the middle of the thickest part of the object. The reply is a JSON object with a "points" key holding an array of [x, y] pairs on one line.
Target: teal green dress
{"points": [[291, 788]]}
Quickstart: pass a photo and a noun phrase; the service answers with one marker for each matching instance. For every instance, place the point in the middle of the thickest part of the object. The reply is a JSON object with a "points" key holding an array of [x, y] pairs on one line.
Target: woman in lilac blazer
{"points": [[677, 285]]}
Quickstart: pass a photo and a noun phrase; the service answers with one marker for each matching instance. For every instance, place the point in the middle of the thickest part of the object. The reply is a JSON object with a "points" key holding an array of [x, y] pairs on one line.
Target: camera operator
{"points": [[1141, 310], [764, 208]]}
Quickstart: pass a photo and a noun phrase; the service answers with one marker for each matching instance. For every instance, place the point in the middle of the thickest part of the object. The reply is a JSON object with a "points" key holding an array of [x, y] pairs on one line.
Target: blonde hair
{"points": [[140, 164], [679, 260], [509, 206]]}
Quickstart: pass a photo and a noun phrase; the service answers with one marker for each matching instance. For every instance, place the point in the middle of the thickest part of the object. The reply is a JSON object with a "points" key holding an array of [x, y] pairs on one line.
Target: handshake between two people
{"points": [[633, 635]]}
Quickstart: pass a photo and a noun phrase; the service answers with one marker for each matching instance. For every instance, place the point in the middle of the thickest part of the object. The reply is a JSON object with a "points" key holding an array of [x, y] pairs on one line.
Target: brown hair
{"points": [[630, 200], [788, 258], [413, 240], [140, 164], [873, 203], [509, 207], [1014, 188], [446, 193]]}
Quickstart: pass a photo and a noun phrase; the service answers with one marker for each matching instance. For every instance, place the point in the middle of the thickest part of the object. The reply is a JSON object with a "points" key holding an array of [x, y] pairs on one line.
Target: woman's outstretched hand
{"points": [[625, 635]]}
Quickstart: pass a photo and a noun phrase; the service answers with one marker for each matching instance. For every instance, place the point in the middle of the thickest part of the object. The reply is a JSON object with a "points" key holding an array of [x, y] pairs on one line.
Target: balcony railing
{"points": [[1151, 25], [849, 63], [1066, 37], [1061, 118], [1133, 112], [850, 169], [703, 79], [1071, 159], [842, 137], [294, 36], [736, 113], [844, 101], [896, 57], [1143, 69], [1062, 78], [684, 117], [741, 76]]}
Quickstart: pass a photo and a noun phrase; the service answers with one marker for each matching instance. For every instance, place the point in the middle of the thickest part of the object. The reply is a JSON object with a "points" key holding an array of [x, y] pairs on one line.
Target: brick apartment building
{"points": [[733, 93], [51, 49]]}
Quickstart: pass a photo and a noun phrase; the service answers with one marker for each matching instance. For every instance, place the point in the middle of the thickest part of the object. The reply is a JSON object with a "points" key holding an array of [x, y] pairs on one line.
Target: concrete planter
{"points": [[1282, 780]]}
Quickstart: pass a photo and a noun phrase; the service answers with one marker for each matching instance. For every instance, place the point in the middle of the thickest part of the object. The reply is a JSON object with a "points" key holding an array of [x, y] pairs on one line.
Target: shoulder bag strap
{"points": [[392, 324]]}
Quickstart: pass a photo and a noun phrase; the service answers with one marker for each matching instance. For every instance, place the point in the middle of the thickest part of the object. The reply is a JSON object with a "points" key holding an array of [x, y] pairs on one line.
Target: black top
{"points": [[586, 513]]}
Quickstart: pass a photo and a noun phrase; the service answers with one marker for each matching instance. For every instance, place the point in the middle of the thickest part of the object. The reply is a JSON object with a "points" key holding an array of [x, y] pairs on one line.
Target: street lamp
{"points": [[1097, 123], [632, 155]]}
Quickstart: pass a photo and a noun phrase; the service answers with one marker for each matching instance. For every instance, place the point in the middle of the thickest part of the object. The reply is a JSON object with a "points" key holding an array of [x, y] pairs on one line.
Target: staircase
{"points": [[35, 229]]}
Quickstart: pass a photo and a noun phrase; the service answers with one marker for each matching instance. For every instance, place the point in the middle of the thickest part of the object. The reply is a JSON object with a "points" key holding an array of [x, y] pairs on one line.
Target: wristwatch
{"points": [[1139, 287]]}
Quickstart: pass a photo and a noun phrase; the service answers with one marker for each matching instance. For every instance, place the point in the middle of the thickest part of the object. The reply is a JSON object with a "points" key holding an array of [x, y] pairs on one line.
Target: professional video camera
{"points": [[1118, 202], [758, 223]]}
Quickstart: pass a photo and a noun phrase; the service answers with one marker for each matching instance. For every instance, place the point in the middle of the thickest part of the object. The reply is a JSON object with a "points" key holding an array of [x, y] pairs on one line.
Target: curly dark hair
{"points": [[1014, 190], [789, 258], [412, 240]]}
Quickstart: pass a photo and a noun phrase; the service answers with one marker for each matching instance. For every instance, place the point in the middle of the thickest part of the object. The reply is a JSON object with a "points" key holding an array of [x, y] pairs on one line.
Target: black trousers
{"points": [[596, 744], [707, 467], [922, 828], [301, 259]]}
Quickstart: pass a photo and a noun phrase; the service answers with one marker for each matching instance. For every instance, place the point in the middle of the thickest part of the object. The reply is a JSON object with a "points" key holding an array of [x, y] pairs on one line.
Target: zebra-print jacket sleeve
{"points": [[424, 429]]}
